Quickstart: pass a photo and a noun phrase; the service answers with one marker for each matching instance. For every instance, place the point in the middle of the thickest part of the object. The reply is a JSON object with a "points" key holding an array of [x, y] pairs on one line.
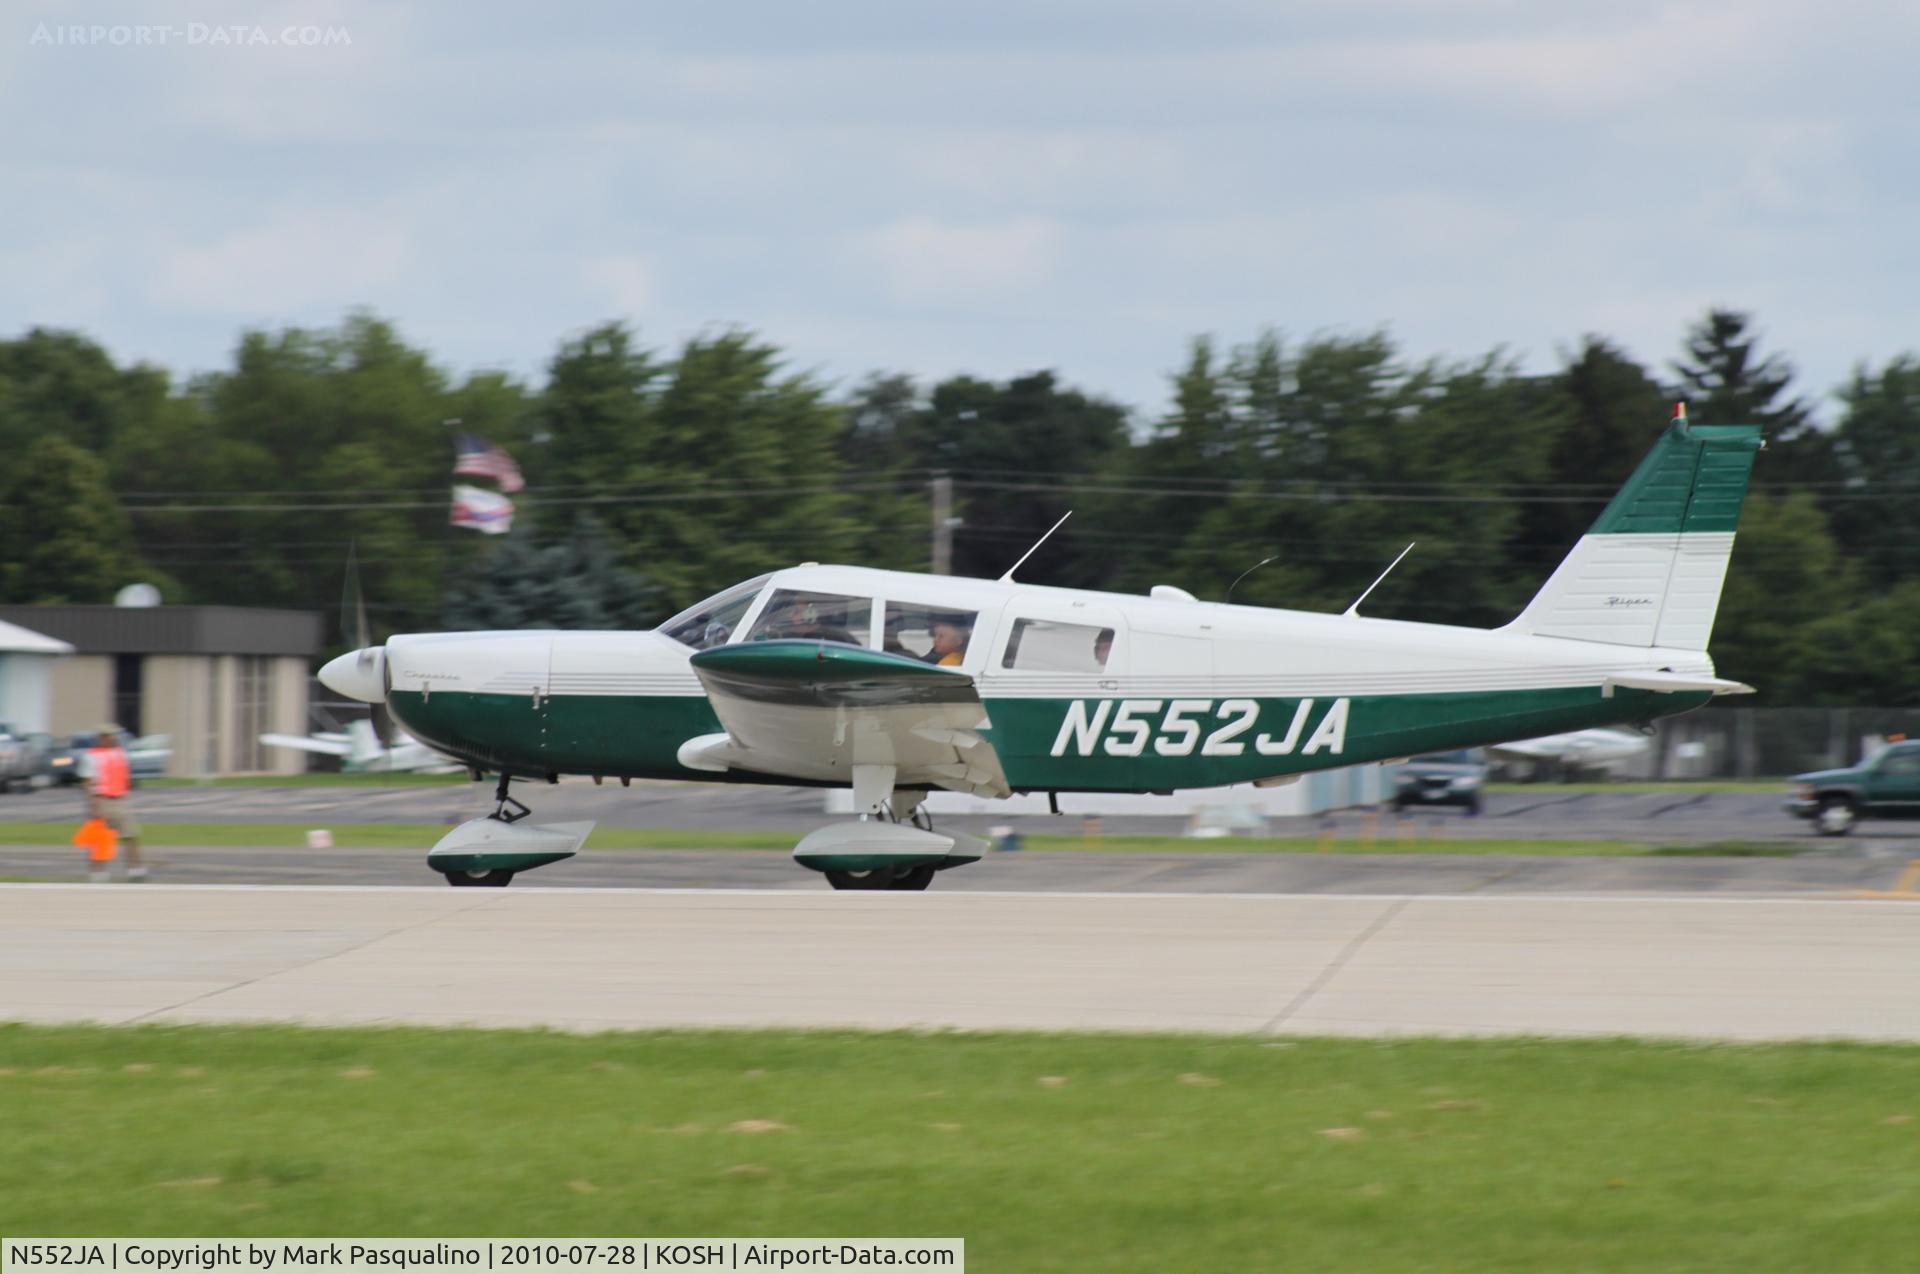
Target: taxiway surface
{"points": [[1866, 866], [1543, 812]]}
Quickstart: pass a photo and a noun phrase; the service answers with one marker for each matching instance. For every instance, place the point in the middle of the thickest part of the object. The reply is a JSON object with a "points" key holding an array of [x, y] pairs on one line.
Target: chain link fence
{"points": [[1748, 743]]}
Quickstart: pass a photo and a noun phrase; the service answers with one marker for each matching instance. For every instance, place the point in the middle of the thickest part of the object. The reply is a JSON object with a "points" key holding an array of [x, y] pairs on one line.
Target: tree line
{"points": [[1289, 472]]}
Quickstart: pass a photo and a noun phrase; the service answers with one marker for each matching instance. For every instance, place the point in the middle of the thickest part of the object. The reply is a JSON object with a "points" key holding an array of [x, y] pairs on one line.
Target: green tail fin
{"points": [[1649, 572]]}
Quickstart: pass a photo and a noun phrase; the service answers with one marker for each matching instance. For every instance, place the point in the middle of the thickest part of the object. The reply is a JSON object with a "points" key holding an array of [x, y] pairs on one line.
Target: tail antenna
{"points": [[1355, 608]]}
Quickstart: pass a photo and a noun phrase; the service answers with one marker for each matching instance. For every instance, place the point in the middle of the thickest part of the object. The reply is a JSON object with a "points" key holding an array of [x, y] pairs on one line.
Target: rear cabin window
{"points": [[931, 634], [1043, 645], [793, 612]]}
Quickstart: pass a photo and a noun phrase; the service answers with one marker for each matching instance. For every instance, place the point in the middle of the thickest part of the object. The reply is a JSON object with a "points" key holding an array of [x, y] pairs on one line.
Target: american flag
{"points": [[478, 458], [488, 512]]}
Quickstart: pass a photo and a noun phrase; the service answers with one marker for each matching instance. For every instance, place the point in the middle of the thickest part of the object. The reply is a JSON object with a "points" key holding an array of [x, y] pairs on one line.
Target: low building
{"points": [[27, 661], [211, 678]]}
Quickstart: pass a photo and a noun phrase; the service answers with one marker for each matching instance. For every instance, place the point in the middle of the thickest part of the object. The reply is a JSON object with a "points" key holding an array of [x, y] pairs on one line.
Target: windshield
{"points": [[792, 612], [711, 622]]}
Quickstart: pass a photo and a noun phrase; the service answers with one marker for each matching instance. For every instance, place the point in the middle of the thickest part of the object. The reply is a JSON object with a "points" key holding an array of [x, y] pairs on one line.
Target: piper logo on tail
{"points": [[1182, 727]]}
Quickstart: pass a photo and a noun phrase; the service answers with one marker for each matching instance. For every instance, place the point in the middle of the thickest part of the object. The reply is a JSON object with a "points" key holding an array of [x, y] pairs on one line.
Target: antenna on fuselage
{"points": [[1008, 577], [1243, 574], [1355, 608]]}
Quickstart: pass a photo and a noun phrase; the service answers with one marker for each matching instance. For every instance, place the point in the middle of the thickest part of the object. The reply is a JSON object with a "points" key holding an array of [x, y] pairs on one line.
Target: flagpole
{"points": [[446, 531]]}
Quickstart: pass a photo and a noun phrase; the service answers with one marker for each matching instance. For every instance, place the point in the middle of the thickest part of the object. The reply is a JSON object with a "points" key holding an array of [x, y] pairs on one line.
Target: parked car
{"points": [[21, 759], [1885, 785], [1442, 778], [147, 756], [63, 758]]}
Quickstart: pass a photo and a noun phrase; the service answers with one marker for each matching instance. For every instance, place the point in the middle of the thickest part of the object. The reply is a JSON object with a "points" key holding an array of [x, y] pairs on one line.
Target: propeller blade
{"points": [[353, 609]]}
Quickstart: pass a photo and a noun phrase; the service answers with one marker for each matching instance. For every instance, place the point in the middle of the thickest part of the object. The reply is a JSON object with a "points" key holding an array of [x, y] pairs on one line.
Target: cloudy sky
{"points": [[985, 187]]}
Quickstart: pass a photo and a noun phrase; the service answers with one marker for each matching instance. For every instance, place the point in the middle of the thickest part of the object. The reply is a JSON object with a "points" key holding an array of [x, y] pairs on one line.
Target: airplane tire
{"points": [[878, 878], [914, 878], [496, 879]]}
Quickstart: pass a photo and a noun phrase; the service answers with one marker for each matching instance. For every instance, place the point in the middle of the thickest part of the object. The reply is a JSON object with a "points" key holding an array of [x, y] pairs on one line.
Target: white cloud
{"points": [[1666, 61], [628, 281], [926, 262], [301, 259]]}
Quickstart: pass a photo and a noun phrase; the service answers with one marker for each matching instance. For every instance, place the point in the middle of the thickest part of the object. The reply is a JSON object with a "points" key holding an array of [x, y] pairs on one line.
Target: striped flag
{"points": [[488, 512], [477, 458]]}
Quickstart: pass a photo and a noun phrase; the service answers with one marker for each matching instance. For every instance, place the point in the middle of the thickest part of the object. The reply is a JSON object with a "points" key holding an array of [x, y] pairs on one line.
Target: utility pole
{"points": [[942, 524]]}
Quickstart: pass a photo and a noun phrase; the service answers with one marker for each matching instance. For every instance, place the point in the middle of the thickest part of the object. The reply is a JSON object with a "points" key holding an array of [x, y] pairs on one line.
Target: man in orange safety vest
{"points": [[109, 779]]}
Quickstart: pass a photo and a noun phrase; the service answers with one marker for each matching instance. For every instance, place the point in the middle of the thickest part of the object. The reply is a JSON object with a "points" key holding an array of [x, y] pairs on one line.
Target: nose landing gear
{"points": [[501, 802], [488, 852]]}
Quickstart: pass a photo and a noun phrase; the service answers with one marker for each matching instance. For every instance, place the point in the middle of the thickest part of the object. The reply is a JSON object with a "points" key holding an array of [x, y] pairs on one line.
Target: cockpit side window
{"points": [[711, 622], [931, 634], [794, 612]]}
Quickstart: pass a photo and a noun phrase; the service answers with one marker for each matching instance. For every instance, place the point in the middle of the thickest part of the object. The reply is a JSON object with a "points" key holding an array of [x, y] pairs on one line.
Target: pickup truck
{"points": [[1885, 785]]}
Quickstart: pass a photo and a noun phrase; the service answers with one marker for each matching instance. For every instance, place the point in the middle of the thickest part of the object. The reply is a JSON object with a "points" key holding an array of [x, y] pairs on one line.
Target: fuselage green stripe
{"points": [[1129, 744]]}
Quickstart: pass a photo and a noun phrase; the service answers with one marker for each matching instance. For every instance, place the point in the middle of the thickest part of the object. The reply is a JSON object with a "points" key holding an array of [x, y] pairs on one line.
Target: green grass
{"points": [[1730, 849], [1154, 1153], [422, 835]]}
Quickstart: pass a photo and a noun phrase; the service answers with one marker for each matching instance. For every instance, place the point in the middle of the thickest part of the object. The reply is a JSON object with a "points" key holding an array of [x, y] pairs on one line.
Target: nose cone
{"points": [[358, 674]]}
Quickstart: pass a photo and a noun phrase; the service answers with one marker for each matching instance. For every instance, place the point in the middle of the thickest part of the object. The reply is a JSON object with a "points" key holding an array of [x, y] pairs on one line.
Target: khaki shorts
{"points": [[117, 814]]}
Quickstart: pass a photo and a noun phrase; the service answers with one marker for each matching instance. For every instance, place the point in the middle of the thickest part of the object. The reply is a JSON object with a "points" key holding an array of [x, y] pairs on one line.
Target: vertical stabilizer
{"points": [[1649, 571]]}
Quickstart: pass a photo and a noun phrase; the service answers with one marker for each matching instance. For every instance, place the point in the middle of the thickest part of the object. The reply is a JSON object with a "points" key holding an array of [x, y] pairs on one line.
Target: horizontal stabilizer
{"points": [[1672, 683], [337, 746]]}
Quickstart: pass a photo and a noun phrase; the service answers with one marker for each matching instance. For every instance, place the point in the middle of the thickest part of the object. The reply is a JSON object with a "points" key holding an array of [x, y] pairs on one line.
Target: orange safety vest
{"points": [[110, 775]]}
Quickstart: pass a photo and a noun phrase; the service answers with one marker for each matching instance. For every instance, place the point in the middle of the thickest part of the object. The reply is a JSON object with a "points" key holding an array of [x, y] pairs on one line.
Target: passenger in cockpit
{"points": [[950, 633]]}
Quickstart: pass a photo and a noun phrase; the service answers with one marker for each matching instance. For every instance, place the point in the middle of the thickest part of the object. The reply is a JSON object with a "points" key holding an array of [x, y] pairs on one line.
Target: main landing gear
{"points": [[892, 844], [893, 875]]}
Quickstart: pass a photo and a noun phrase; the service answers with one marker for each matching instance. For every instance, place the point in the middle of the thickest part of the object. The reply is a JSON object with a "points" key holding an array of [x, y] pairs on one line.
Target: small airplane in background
{"points": [[897, 684], [1596, 749], [361, 751]]}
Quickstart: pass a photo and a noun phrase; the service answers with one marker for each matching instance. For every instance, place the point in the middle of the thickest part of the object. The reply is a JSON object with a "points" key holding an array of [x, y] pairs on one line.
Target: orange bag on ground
{"points": [[99, 840]]}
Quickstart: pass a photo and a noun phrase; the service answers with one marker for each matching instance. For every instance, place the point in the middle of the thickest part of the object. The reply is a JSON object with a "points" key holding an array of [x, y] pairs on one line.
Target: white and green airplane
{"points": [[897, 684]]}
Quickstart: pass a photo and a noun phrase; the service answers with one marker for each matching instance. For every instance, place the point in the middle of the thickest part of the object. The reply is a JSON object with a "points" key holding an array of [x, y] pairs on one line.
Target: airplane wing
{"points": [[307, 743], [815, 709]]}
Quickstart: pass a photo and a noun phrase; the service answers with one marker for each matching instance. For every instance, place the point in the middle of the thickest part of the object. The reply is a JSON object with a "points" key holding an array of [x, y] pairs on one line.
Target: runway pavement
{"points": [[1261, 964]]}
